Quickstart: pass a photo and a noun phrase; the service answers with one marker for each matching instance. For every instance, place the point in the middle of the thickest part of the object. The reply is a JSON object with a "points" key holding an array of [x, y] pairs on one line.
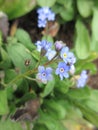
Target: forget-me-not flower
{"points": [[62, 70], [45, 14], [67, 56], [44, 74], [45, 45], [81, 82], [50, 54]]}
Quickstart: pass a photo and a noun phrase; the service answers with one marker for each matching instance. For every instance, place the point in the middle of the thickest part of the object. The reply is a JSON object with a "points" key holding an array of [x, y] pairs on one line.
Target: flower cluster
{"points": [[46, 48], [68, 62], [45, 14], [81, 81], [61, 53]]}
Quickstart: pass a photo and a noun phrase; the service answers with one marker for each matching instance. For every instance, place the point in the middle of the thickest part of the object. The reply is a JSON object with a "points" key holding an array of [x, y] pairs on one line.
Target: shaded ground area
{"points": [[66, 32]]}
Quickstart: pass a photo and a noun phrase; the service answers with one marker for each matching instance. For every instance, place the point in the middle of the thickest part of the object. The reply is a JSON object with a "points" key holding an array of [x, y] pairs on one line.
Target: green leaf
{"points": [[24, 38], [49, 122], [48, 88], [6, 61], [47, 3], [62, 85], [88, 113], [86, 9], [94, 23], [20, 7], [79, 93], [55, 108], [86, 66], [82, 43], [9, 125], [94, 45], [61, 1], [19, 54], [92, 102], [3, 102], [67, 12], [9, 75], [93, 56], [36, 54]]}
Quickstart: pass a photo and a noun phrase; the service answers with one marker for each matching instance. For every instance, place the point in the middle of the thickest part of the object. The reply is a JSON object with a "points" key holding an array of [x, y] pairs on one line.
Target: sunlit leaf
{"points": [[82, 43], [86, 9]]}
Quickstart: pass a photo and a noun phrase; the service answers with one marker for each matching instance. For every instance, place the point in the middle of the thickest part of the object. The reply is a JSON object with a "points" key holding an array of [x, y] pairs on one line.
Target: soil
{"points": [[65, 34]]}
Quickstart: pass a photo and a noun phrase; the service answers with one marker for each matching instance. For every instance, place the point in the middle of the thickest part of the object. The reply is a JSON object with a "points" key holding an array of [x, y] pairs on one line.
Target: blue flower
{"points": [[45, 45], [62, 70], [51, 16], [67, 56], [45, 14], [50, 54], [42, 23], [44, 75], [81, 82]]}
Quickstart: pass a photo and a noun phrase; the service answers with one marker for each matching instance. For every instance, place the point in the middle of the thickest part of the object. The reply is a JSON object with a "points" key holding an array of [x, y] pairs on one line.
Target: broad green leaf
{"points": [[19, 54], [61, 1], [49, 122], [3, 102], [57, 8], [9, 75], [92, 102], [17, 8], [94, 45], [93, 56], [55, 108], [67, 12], [86, 66], [85, 7], [88, 113], [95, 24], [79, 93], [24, 38], [47, 3], [9, 125], [48, 88], [82, 43]]}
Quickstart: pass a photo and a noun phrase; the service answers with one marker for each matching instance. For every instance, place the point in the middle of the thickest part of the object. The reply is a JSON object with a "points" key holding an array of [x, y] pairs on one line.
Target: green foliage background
{"points": [[59, 100]]}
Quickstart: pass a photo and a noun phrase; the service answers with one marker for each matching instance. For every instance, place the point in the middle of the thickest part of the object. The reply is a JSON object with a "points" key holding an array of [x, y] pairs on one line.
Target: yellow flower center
{"points": [[64, 55]]}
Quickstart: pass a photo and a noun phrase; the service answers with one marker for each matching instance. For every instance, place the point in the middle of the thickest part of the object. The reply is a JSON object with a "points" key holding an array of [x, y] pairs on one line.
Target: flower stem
{"points": [[31, 71]]}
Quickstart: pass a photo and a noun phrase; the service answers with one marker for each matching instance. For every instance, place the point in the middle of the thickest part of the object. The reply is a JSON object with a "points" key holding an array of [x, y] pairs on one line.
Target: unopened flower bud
{"points": [[59, 45]]}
